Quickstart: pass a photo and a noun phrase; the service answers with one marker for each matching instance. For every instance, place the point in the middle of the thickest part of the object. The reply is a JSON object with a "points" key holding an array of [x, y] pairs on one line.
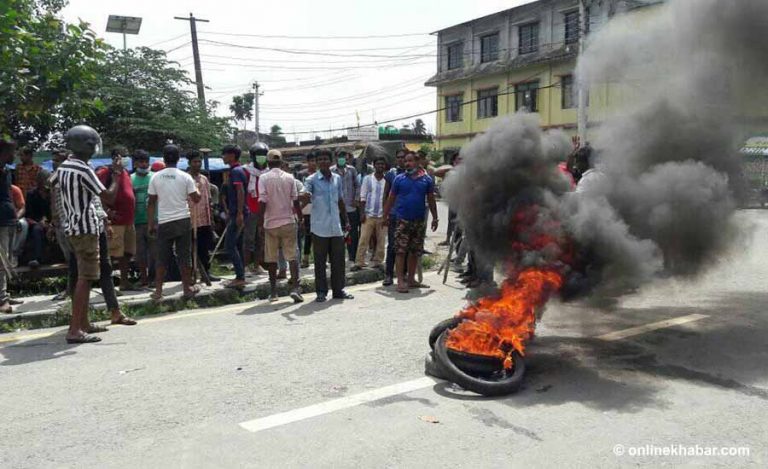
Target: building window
{"points": [[572, 27], [455, 56], [489, 48], [526, 96], [487, 103], [529, 38], [569, 92], [453, 108]]}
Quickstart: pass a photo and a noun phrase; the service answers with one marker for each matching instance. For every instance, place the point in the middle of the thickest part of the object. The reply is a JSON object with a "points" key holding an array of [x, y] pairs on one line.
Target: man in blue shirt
{"points": [[237, 211], [324, 192], [407, 196], [389, 177]]}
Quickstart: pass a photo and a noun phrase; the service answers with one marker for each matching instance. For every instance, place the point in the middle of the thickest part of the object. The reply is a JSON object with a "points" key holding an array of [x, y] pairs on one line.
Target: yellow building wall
{"points": [[603, 99]]}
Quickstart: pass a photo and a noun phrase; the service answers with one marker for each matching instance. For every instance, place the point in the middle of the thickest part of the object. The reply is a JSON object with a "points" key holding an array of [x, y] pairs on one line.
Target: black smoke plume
{"points": [[687, 80]]}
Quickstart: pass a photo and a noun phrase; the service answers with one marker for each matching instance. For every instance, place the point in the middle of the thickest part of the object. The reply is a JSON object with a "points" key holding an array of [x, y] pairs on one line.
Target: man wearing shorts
{"points": [[407, 196], [122, 244], [279, 202], [169, 191], [79, 189]]}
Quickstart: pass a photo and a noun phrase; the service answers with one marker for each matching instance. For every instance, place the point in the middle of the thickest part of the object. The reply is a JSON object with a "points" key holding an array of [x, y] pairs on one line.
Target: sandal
{"points": [[418, 285], [125, 321], [156, 296], [94, 329], [193, 290], [236, 284], [83, 339]]}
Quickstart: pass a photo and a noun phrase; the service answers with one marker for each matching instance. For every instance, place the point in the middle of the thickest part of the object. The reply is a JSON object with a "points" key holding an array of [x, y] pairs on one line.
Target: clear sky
{"points": [[310, 84]]}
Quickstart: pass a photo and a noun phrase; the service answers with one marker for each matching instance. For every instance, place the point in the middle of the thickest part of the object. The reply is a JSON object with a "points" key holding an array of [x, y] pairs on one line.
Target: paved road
{"points": [[679, 363]]}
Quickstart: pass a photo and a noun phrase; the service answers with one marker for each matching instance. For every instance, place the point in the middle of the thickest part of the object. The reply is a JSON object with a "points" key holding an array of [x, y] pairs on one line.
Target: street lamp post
{"points": [[124, 25]]}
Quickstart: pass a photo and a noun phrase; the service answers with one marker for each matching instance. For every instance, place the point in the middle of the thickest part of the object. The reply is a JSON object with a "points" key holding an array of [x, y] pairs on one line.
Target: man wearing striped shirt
{"points": [[372, 208], [79, 188]]}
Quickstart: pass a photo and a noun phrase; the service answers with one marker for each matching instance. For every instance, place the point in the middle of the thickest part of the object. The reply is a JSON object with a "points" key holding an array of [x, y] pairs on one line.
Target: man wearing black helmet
{"points": [[253, 233], [79, 188]]}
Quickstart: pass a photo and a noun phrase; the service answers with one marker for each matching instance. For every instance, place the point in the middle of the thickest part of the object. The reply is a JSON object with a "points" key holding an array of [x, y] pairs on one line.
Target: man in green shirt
{"points": [[145, 245]]}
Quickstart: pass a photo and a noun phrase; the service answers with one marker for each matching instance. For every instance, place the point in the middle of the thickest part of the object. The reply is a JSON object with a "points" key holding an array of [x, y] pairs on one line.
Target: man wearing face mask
{"points": [[145, 244], [253, 233], [350, 187]]}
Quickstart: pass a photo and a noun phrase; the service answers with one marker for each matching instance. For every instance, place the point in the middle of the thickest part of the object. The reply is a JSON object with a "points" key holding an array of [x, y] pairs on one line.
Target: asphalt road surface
{"points": [[677, 368]]}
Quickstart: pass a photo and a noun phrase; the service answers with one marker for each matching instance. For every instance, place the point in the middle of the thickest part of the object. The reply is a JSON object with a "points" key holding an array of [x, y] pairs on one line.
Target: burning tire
{"points": [[432, 367], [440, 327], [483, 375]]}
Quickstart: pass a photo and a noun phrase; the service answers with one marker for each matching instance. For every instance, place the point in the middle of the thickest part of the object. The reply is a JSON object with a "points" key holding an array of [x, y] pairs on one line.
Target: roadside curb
{"points": [[141, 307]]}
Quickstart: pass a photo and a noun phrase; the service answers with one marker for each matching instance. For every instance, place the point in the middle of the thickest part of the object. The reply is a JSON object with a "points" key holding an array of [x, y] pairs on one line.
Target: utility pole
{"points": [[196, 54], [582, 89], [256, 95]]}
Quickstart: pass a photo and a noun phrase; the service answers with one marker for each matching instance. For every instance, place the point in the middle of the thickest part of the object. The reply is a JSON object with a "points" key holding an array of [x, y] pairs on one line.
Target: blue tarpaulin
{"points": [[214, 164]]}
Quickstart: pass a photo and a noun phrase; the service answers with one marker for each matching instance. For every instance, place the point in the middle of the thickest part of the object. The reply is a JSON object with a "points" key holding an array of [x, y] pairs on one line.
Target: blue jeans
{"points": [[233, 243]]}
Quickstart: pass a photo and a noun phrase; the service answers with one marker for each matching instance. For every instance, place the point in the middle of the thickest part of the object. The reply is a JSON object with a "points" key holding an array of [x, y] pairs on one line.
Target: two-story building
{"points": [[523, 57]]}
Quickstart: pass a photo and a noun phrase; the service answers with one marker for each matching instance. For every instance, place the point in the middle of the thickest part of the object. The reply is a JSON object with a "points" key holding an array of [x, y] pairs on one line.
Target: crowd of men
{"points": [[163, 219]]}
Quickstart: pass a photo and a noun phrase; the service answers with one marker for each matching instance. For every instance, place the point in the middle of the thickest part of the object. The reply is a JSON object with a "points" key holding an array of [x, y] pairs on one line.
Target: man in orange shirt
{"points": [[26, 171], [20, 233], [8, 220]]}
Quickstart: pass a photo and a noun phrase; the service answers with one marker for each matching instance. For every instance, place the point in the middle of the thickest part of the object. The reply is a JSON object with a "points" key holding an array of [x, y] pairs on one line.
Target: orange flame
{"points": [[497, 326]]}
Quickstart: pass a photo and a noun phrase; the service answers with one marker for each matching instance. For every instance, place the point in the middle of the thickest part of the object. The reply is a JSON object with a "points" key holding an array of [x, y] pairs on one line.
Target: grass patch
{"points": [[220, 270], [22, 286], [430, 261]]}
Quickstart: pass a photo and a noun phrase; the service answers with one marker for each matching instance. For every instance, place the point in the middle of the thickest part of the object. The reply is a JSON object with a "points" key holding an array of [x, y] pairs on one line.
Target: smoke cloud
{"points": [[690, 78]]}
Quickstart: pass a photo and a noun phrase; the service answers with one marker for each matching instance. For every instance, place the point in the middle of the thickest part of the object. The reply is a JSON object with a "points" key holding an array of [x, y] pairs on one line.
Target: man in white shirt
{"points": [[372, 208], [169, 192], [589, 178]]}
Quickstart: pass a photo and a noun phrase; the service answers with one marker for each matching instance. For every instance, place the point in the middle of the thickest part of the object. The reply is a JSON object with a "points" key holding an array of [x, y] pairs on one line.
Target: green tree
{"points": [[145, 100], [276, 131], [242, 107], [419, 128], [45, 63]]}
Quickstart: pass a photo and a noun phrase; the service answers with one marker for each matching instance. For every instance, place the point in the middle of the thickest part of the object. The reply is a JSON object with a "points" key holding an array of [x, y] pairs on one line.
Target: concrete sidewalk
{"points": [[40, 311]]}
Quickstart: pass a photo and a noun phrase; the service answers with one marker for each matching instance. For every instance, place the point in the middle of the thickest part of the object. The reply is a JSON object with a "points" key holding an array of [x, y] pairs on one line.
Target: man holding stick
{"points": [[202, 232]]}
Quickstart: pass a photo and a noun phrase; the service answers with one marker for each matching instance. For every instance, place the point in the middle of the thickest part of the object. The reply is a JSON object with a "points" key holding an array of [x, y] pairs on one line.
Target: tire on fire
{"points": [[441, 326], [496, 384]]}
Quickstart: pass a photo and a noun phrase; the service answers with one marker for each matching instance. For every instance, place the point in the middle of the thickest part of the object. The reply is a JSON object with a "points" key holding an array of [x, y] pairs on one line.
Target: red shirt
{"points": [[124, 206], [252, 198], [563, 168]]}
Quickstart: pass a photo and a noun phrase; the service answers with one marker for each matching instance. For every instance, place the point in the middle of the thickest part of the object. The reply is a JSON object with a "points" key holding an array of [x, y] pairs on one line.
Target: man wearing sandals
{"points": [[169, 191], [407, 196], [279, 204], [79, 189]]}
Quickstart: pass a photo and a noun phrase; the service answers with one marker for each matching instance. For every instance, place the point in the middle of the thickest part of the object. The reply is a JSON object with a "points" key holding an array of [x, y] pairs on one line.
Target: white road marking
{"points": [[623, 334], [327, 407], [354, 400]]}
